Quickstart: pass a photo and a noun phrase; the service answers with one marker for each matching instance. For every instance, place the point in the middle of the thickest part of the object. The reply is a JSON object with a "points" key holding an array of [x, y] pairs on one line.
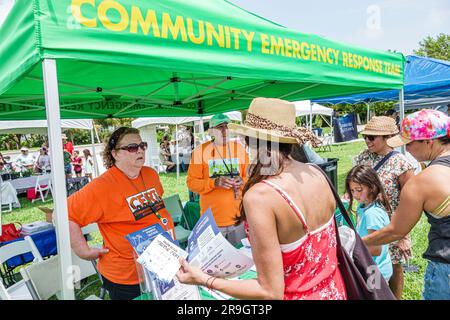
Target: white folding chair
{"points": [[43, 280], [87, 232], [175, 208], [326, 143], [18, 291], [43, 184]]}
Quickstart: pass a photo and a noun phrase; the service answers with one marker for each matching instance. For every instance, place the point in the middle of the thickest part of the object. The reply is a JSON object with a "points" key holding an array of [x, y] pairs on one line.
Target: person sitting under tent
{"points": [[42, 164], [25, 160], [164, 157]]}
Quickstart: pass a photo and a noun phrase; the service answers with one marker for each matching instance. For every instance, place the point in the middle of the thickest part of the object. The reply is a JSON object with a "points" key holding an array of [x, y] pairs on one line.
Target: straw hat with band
{"points": [[274, 120], [380, 126], [426, 124]]}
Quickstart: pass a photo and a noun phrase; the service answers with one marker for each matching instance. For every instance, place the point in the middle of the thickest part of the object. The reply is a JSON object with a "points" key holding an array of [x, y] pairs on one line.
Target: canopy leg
{"points": [[58, 178]]}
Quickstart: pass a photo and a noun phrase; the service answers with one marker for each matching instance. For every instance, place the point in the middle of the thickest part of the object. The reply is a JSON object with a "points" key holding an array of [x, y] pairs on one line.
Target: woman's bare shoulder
{"points": [[257, 193]]}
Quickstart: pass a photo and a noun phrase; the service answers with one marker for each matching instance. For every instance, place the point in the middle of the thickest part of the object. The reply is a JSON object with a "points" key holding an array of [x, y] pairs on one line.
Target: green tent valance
{"points": [[129, 58]]}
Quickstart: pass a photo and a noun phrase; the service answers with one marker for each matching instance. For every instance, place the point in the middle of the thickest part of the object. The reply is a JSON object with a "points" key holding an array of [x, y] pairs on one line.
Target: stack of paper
{"points": [[34, 227]]}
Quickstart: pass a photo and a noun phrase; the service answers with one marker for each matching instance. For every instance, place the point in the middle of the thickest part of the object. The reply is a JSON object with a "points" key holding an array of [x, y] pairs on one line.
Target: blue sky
{"points": [[388, 24]]}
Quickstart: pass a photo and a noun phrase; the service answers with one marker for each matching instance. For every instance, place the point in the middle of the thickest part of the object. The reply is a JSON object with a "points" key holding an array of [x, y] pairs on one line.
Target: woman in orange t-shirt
{"points": [[124, 199]]}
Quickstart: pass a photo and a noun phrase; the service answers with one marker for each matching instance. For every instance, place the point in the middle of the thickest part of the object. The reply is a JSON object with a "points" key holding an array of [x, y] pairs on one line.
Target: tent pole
{"points": [[178, 154], [368, 112], [94, 154], [58, 178], [401, 98], [310, 115], [99, 141]]}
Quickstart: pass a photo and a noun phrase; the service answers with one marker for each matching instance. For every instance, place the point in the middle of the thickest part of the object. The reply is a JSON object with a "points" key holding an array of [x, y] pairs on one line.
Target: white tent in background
{"points": [[308, 108], [147, 127], [40, 127]]}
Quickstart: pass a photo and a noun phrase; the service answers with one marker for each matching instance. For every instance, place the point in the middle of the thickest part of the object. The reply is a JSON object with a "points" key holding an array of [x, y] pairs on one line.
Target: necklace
{"points": [[142, 179]]}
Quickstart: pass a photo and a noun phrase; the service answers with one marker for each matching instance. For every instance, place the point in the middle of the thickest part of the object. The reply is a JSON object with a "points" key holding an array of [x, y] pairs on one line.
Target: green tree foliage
{"points": [[438, 48]]}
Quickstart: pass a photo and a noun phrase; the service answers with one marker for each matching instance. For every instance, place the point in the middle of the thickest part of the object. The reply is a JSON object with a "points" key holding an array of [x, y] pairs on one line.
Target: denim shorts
{"points": [[68, 168], [437, 281]]}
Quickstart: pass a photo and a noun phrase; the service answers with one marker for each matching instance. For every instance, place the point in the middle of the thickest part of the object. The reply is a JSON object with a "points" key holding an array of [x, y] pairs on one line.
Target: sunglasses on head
{"points": [[134, 147], [370, 138]]}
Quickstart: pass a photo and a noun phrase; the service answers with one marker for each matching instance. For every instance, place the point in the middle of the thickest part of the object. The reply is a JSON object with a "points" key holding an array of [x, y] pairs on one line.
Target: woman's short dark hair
{"points": [[444, 140], [113, 141]]}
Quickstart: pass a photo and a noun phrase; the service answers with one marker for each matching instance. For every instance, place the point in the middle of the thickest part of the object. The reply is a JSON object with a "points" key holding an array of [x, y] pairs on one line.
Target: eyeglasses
{"points": [[134, 147], [370, 138]]}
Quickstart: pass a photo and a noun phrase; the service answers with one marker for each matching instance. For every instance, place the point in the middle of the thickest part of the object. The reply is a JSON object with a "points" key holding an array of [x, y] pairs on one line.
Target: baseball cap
{"points": [[24, 149], [63, 136], [426, 124], [218, 119]]}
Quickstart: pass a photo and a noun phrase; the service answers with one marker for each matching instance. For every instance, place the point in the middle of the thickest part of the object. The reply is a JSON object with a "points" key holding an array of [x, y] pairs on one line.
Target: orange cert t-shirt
{"points": [[209, 162], [120, 206]]}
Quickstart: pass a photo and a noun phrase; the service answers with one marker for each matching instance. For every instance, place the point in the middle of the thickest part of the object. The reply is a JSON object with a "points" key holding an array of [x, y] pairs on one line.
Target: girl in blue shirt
{"points": [[364, 186]]}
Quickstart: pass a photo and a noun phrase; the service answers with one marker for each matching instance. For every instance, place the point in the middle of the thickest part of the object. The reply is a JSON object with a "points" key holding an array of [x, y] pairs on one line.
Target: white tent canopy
{"points": [[430, 103], [141, 122], [305, 108], [308, 108], [147, 127], [40, 126]]}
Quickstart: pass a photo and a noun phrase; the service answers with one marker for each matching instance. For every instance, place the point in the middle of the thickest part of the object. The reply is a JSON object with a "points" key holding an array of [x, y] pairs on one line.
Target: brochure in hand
{"points": [[207, 249], [210, 251], [162, 288]]}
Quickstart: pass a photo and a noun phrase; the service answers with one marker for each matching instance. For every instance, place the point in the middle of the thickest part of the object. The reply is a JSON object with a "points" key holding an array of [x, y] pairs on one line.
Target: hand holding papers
{"points": [[157, 277], [162, 257], [207, 250], [212, 253]]}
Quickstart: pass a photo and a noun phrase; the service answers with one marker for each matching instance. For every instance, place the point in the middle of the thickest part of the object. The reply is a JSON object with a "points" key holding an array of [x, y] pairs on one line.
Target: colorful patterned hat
{"points": [[425, 124]]}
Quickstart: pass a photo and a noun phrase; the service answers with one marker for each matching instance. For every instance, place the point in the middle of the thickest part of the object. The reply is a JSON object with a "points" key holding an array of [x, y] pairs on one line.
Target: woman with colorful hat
{"points": [[394, 170], [288, 209], [426, 134]]}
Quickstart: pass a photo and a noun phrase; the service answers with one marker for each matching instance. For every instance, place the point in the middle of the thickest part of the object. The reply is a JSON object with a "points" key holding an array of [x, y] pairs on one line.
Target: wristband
{"points": [[211, 285], [206, 284]]}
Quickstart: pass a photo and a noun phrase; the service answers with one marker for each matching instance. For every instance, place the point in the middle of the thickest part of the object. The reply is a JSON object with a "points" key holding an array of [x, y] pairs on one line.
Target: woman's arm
{"points": [[374, 250], [80, 246], [404, 177], [405, 218], [266, 255]]}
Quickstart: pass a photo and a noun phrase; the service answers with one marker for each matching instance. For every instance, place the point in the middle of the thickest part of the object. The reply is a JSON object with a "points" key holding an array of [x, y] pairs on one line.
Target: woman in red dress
{"points": [[288, 208]]}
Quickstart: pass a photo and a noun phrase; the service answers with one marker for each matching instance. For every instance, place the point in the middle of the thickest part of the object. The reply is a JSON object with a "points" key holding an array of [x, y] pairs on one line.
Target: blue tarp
{"points": [[425, 78]]}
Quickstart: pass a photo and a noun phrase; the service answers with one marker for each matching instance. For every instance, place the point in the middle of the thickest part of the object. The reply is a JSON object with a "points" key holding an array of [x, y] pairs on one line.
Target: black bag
{"points": [[362, 278]]}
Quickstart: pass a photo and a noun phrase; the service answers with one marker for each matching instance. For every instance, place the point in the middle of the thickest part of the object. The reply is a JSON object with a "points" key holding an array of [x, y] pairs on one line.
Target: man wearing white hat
{"points": [[25, 160]]}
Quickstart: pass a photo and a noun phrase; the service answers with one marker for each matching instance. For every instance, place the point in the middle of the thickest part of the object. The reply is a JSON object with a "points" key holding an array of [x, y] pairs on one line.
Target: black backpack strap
{"points": [[386, 158], [337, 198]]}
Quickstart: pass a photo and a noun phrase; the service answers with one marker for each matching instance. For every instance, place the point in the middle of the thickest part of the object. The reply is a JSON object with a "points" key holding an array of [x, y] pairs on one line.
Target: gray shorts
{"points": [[234, 234]]}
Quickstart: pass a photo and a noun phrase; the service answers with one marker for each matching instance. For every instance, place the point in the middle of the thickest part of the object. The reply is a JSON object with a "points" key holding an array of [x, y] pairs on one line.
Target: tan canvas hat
{"points": [[380, 126], [273, 119]]}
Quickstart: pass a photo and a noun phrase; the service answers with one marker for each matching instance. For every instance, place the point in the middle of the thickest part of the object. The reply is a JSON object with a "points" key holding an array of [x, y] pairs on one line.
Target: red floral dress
{"points": [[310, 264]]}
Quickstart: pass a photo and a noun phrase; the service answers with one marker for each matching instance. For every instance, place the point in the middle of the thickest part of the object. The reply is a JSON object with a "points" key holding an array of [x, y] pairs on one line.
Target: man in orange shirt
{"points": [[124, 199], [217, 172]]}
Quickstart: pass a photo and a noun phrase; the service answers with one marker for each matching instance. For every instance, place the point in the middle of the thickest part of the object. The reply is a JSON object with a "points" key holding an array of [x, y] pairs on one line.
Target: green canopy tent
{"points": [[122, 58]]}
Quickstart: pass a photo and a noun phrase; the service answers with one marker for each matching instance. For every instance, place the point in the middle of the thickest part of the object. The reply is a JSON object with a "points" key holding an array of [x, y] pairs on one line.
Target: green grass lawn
{"points": [[345, 152]]}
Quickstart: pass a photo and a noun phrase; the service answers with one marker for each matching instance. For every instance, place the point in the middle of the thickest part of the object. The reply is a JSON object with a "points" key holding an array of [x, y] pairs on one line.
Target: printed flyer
{"points": [[162, 289], [210, 251]]}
